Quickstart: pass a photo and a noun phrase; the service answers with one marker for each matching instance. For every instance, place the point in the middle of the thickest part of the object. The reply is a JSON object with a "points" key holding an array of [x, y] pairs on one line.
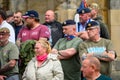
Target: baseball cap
{"points": [[84, 10], [68, 22], [92, 24], [31, 13], [4, 30]]}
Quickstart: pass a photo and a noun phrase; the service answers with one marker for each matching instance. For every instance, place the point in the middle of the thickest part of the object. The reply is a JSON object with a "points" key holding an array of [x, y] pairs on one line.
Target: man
{"points": [[67, 50], [91, 69], [9, 55], [17, 22], [98, 47], [104, 33], [33, 30], [84, 18], [54, 26], [3, 23]]}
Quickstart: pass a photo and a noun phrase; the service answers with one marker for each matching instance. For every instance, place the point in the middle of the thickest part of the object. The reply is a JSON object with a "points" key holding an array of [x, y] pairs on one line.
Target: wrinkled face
{"points": [[68, 30], [39, 49], [49, 16], [83, 17], [17, 18], [86, 69], [92, 31], [4, 37]]}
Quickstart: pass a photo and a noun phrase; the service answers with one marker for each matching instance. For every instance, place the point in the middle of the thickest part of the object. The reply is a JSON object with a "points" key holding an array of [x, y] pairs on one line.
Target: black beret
{"points": [[83, 11], [68, 22], [92, 24]]}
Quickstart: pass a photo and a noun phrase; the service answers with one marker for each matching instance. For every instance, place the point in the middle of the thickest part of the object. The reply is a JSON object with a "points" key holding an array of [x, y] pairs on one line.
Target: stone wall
{"points": [[110, 11], [114, 18]]}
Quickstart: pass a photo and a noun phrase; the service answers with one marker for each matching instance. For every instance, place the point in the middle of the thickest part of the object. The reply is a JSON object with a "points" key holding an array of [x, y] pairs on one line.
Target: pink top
{"points": [[39, 32]]}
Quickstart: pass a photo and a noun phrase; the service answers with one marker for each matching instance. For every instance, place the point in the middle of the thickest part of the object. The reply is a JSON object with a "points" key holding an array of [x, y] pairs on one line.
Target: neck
{"points": [[3, 43], [21, 23], [94, 76], [35, 25], [96, 38]]}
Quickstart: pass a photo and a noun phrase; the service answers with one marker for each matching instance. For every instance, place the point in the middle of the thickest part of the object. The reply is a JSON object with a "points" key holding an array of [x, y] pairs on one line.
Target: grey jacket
{"points": [[50, 70]]}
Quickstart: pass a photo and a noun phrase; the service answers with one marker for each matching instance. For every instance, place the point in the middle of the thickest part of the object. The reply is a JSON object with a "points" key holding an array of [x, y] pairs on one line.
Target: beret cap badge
{"points": [[64, 23], [89, 24], [83, 11]]}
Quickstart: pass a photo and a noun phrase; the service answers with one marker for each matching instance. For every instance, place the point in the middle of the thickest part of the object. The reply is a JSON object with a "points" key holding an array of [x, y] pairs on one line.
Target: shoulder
{"points": [[103, 77], [57, 22], [52, 57], [24, 28], [32, 61], [11, 44], [61, 39], [41, 25], [78, 38], [106, 40]]}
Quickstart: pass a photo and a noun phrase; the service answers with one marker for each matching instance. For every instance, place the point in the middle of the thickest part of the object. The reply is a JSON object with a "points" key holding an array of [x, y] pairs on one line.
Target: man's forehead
{"points": [[67, 26]]}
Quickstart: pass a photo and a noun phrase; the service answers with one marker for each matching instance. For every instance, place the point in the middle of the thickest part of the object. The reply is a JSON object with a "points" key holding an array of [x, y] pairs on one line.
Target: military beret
{"points": [[4, 30], [68, 22], [84, 10], [92, 24]]}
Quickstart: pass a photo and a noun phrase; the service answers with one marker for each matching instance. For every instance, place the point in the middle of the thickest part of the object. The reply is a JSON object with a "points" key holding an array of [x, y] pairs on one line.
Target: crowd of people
{"points": [[53, 50]]}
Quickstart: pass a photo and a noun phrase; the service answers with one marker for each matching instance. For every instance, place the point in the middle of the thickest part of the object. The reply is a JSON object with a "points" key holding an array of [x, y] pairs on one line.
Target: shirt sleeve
{"points": [[82, 49], [44, 32]]}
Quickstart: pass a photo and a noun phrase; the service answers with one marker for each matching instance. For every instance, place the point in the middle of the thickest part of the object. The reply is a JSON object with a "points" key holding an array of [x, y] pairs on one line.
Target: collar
{"points": [[69, 37]]}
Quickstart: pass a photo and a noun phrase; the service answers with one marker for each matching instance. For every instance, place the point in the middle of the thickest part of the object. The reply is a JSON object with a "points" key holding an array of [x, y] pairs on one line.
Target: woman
{"points": [[43, 66]]}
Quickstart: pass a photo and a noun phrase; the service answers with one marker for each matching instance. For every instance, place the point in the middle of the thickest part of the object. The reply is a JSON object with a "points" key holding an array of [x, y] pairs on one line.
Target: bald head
{"points": [[49, 16], [93, 61]]}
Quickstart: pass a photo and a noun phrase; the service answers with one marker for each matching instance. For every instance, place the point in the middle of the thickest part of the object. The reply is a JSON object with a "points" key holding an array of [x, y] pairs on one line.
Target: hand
{"points": [[89, 54], [54, 51], [18, 43], [83, 35], [2, 77]]}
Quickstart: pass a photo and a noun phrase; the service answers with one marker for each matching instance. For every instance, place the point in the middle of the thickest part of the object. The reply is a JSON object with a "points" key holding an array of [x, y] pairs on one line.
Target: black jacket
{"points": [[104, 33], [56, 31]]}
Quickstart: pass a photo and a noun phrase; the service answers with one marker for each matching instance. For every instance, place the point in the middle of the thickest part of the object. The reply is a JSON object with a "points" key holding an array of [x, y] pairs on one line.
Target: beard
{"points": [[3, 42], [17, 22], [29, 26]]}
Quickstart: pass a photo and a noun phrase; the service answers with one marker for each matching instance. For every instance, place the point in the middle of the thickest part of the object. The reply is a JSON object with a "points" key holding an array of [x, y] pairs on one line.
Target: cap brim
{"points": [[25, 17]]}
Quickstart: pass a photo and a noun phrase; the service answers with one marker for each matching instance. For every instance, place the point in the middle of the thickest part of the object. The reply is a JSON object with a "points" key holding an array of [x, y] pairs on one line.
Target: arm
{"points": [[104, 30], [2, 77], [7, 67], [44, 32], [57, 71], [19, 37], [13, 57], [106, 56], [65, 54], [82, 35]]}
